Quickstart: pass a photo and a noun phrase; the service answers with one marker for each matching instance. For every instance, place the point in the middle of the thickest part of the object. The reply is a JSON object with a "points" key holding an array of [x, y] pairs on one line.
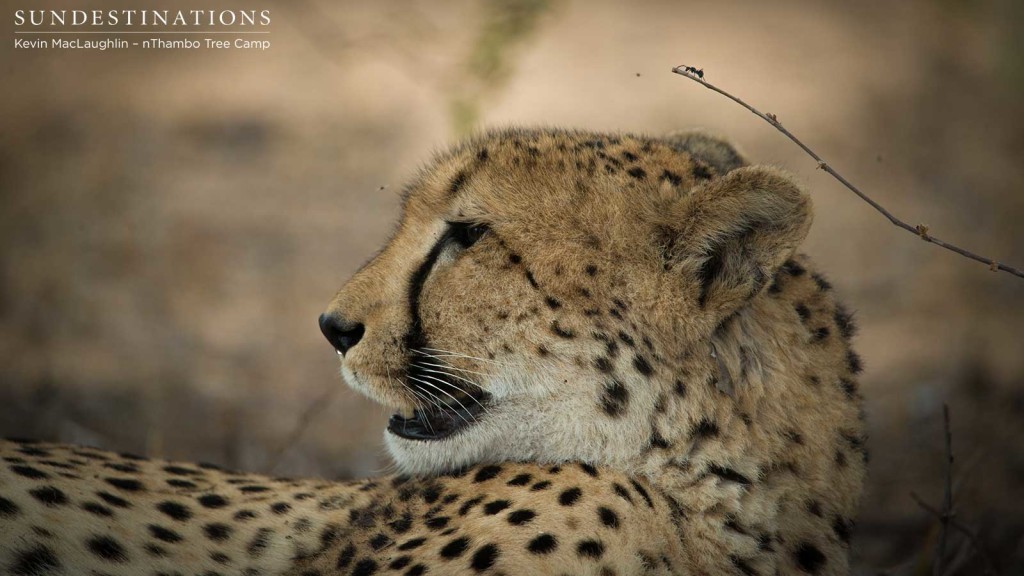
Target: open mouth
{"points": [[446, 406]]}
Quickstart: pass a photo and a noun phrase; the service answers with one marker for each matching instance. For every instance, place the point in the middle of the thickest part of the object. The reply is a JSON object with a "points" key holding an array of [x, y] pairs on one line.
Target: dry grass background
{"points": [[173, 222]]}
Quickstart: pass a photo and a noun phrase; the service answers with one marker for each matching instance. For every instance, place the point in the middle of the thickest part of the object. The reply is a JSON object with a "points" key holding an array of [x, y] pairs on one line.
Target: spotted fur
{"points": [[671, 390]]}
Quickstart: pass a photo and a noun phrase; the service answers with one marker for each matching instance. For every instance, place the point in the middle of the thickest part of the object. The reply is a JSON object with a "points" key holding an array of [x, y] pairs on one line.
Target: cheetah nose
{"points": [[341, 333]]}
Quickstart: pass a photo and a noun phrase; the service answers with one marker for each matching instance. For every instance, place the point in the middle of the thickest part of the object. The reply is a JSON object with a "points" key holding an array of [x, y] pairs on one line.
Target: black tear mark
{"points": [[614, 399]]}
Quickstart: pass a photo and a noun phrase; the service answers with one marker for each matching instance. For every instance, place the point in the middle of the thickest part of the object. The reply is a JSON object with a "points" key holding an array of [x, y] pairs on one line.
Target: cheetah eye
{"points": [[467, 233]]}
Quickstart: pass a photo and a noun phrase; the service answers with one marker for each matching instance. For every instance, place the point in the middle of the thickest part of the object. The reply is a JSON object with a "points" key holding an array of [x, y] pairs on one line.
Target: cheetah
{"points": [[604, 355]]}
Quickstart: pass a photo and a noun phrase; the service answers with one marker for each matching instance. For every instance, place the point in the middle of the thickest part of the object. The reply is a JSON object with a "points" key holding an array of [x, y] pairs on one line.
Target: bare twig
{"points": [[947, 500], [308, 416], [920, 230], [964, 529]]}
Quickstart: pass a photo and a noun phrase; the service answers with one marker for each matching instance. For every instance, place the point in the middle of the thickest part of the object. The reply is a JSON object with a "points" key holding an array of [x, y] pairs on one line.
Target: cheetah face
{"points": [[535, 296]]}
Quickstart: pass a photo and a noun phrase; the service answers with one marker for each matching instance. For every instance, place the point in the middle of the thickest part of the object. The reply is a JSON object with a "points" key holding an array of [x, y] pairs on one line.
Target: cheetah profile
{"points": [[604, 358]]}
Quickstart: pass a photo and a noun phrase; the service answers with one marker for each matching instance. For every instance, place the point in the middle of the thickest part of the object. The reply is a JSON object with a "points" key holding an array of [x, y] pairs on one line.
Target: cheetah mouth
{"points": [[445, 406]]}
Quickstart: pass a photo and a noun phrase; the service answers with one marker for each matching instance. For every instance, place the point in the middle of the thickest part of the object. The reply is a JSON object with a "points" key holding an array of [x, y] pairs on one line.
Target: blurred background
{"points": [[173, 222]]}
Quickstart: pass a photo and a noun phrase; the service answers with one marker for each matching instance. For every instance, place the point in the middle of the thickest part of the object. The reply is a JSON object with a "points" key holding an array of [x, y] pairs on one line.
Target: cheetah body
{"points": [[665, 388]]}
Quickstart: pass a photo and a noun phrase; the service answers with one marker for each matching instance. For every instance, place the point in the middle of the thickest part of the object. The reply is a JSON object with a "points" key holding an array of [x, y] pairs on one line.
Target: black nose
{"points": [[342, 334]]}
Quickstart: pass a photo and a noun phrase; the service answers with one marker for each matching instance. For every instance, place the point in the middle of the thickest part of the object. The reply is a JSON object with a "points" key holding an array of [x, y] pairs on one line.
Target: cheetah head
{"points": [[543, 285]]}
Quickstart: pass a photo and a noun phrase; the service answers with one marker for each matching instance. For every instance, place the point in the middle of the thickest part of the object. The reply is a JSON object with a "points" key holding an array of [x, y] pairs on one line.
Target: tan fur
{"points": [[672, 390]]}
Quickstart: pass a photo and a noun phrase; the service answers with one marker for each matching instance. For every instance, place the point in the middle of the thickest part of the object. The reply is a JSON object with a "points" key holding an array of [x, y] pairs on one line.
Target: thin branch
{"points": [[305, 420], [920, 230], [964, 529], [947, 500]]}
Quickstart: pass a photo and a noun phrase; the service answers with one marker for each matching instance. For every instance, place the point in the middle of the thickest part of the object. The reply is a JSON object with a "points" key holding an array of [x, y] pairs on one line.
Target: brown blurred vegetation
{"points": [[173, 222]]}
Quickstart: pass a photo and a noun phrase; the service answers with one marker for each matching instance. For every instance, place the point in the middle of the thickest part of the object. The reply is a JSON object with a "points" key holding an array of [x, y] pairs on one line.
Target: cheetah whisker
{"points": [[478, 403], [415, 379], [456, 354], [454, 368]]}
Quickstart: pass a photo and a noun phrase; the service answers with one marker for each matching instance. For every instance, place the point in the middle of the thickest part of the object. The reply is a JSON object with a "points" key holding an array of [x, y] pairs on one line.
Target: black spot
{"points": [[165, 534], [520, 517], [672, 178], [411, 544], [437, 523], [680, 389], [487, 473], [542, 485], [126, 468], [492, 508], [821, 333], [379, 541], [97, 509], [657, 441], [642, 365], [175, 510], [728, 474], [701, 171], [179, 483], [346, 556], [259, 542], [29, 472], [743, 566], [402, 524], [484, 557], [705, 429], [849, 387], [113, 500], [400, 562], [482, 155], [591, 270], [180, 471], [629, 156], [542, 350], [8, 509], [520, 480], [588, 469], [569, 497], [532, 280], [803, 312], [457, 182], [814, 507], [590, 548], [853, 362], [280, 507], [842, 527], [552, 303], [107, 548], [253, 489], [212, 501], [417, 570], [643, 492], [615, 398], [217, 531], [608, 517], [515, 258], [243, 515], [469, 504], [603, 364], [49, 495], [455, 548], [709, 270], [365, 567], [822, 283], [793, 268], [637, 172], [561, 332], [126, 484], [36, 561], [809, 558], [543, 544]]}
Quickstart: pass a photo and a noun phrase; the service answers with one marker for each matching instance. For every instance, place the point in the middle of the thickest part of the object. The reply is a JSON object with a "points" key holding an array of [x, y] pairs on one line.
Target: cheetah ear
{"points": [[734, 232], [708, 148]]}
